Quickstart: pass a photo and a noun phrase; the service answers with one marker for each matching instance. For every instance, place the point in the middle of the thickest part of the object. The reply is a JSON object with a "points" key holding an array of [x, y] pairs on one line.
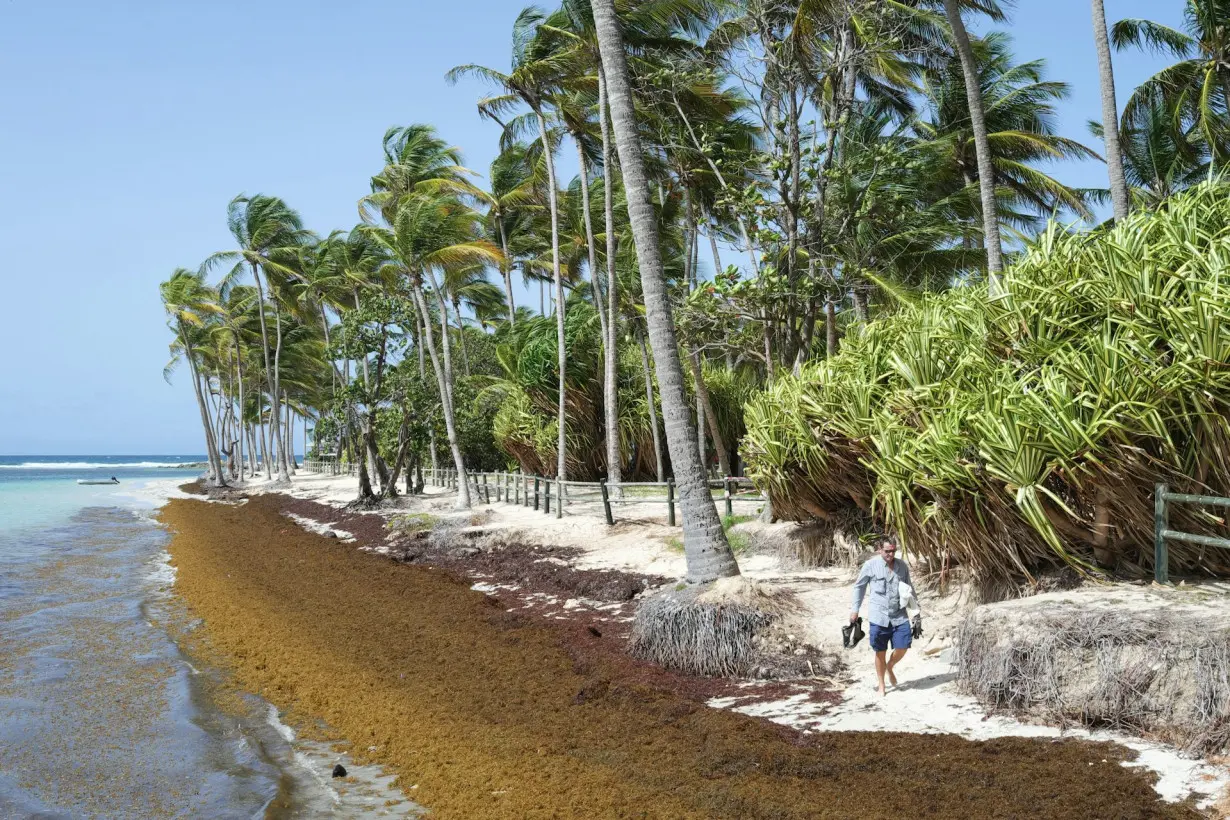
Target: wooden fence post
{"points": [[1161, 557], [606, 503], [536, 480], [546, 497], [670, 501], [730, 510]]}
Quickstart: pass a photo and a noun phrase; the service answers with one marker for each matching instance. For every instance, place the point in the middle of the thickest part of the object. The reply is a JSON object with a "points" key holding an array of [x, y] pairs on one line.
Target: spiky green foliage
{"points": [[1013, 434]]}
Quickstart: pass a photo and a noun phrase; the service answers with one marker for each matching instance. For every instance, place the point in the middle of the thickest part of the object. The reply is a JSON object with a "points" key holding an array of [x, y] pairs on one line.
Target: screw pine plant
{"points": [[1013, 434]]}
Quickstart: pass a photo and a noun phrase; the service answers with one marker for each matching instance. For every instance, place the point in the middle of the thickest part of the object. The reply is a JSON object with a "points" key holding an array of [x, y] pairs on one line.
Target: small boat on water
{"points": [[111, 480]]}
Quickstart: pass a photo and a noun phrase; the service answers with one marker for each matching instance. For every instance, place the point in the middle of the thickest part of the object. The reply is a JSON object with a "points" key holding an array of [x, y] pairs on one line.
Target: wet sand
{"points": [[487, 713]]}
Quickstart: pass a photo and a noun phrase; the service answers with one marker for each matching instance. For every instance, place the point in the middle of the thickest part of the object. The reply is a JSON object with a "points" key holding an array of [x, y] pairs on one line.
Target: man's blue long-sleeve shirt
{"points": [[883, 604]]}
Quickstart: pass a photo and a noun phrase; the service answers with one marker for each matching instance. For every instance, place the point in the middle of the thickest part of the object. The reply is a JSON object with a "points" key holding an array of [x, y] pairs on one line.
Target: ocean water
{"points": [[102, 714], [41, 491]]}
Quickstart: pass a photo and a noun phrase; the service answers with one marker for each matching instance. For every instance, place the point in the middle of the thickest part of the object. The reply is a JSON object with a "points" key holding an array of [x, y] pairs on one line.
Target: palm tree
{"points": [[508, 209], [187, 301], [414, 158], [324, 283], [1019, 116], [236, 315], [438, 233], [1159, 159], [469, 284], [536, 72], [708, 554], [1110, 113], [978, 121], [1197, 88], [269, 234]]}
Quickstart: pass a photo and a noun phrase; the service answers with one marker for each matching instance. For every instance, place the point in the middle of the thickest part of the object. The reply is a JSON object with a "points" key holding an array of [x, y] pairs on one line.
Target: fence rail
{"points": [[1162, 498], [539, 492], [331, 467]]}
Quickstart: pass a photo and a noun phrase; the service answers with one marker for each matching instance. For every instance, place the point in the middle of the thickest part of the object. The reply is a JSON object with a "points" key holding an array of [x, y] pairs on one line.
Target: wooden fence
{"points": [[542, 492], [331, 467]]}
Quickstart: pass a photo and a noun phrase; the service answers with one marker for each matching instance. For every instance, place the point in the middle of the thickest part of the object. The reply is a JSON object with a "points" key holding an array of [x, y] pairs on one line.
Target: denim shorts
{"points": [[900, 636]]}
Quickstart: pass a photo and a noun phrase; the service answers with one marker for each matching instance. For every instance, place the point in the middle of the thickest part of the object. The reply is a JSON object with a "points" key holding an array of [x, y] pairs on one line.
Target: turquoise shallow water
{"points": [[41, 491], [101, 713]]}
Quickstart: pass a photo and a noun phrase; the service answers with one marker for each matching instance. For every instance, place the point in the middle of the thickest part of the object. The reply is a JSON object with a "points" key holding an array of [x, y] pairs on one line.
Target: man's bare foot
{"points": [[880, 689], [891, 677]]}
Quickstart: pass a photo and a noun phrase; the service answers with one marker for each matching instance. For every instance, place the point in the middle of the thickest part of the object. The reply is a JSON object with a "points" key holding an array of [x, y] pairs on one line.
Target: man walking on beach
{"points": [[885, 574]]}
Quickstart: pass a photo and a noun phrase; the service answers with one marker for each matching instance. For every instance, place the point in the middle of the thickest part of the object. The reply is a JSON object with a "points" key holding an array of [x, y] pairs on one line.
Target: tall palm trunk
{"points": [[830, 328], [608, 348], [289, 436], [324, 323], [506, 272], [653, 408], [260, 433], [239, 369], [461, 337], [271, 372], [982, 147], [232, 438], [275, 410], [701, 451], [213, 457], [561, 444], [260, 312], [610, 373], [594, 285], [211, 444], [705, 406], [704, 542], [431, 428], [1110, 115], [445, 385]]}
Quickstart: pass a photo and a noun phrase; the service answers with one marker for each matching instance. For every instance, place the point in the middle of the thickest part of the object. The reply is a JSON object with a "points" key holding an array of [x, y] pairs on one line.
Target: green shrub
{"points": [[1015, 433]]}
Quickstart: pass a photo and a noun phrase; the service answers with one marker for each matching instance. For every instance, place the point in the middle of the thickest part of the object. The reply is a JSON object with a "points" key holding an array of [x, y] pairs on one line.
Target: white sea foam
{"points": [[275, 720]]}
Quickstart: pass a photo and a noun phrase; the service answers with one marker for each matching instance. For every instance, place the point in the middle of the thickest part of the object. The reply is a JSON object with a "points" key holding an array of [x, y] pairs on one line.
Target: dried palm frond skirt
{"points": [[732, 627], [1161, 673]]}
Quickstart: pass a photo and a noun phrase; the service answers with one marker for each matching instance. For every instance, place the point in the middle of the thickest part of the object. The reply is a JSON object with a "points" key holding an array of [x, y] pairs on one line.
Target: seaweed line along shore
{"points": [[483, 661]]}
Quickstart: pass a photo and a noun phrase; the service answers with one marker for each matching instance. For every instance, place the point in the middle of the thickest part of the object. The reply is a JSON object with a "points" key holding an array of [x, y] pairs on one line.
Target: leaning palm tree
{"points": [[708, 553], [187, 300], [469, 285], [434, 234], [269, 234], [1110, 113], [235, 317], [415, 158], [538, 69]]}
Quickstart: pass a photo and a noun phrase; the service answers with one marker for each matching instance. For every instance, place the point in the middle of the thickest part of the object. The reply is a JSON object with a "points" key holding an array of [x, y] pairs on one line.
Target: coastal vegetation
{"points": [[819, 238]]}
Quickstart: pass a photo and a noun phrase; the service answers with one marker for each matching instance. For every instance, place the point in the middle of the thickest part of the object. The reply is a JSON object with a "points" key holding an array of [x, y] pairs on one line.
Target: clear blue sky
{"points": [[126, 127]]}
